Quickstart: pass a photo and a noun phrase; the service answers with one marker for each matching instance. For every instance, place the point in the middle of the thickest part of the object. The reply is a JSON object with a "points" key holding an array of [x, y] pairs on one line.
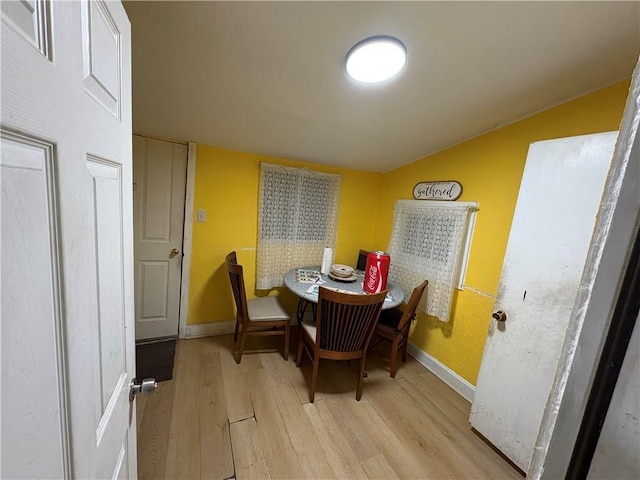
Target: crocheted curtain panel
{"points": [[297, 219], [427, 242]]}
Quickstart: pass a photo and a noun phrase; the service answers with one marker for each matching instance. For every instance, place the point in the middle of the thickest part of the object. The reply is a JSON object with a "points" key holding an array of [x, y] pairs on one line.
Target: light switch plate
{"points": [[202, 215]]}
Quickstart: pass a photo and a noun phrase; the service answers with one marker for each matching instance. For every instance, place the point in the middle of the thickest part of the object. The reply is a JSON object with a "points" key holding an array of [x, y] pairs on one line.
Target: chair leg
{"points": [[405, 343], [405, 347], [394, 357], [235, 333], [314, 379], [286, 341], [243, 336], [300, 348], [302, 307], [360, 377]]}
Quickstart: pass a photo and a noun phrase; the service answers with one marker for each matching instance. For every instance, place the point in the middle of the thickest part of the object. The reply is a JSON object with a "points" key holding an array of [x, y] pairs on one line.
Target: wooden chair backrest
{"points": [[236, 277], [410, 311], [345, 322], [362, 260]]}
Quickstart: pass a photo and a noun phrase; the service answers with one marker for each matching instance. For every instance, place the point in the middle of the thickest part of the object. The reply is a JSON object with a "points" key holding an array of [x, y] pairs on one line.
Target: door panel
{"points": [[107, 223], [154, 279], [29, 227], [160, 170], [67, 216], [102, 56], [32, 20], [555, 214]]}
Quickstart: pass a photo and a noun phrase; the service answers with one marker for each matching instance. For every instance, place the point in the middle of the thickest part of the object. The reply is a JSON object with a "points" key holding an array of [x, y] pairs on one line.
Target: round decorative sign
{"points": [[448, 190]]}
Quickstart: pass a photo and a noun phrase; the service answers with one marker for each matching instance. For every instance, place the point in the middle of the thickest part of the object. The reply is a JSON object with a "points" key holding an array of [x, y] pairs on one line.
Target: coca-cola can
{"points": [[376, 272]]}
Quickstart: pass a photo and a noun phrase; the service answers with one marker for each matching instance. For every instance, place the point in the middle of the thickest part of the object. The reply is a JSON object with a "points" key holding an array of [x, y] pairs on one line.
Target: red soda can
{"points": [[376, 272]]}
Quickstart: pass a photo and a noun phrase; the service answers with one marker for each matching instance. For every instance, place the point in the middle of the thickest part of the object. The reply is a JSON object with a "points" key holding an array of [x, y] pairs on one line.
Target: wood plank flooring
{"points": [[220, 420]]}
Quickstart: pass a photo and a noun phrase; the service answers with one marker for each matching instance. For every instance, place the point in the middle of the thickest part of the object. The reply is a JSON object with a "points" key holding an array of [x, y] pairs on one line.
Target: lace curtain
{"points": [[297, 219], [427, 242]]}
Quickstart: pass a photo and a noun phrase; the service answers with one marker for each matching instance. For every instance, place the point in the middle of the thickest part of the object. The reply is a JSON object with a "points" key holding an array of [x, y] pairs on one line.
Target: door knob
{"points": [[173, 252], [147, 386], [499, 316]]}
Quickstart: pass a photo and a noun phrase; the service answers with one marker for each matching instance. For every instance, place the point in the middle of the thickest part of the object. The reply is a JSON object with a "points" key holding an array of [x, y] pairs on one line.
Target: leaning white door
{"points": [[159, 176], [67, 252], [555, 214]]}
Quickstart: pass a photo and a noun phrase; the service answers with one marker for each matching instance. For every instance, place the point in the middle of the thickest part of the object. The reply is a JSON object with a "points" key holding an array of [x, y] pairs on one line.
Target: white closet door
{"points": [[160, 177]]}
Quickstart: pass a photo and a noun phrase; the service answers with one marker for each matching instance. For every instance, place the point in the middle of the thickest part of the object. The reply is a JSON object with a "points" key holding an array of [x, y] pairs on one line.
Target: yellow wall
{"points": [[227, 188], [489, 168]]}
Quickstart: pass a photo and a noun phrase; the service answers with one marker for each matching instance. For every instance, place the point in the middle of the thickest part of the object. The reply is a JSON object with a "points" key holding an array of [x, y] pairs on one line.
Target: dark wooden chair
{"points": [[342, 331], [361, 264], [394, 325], [256, 316]]}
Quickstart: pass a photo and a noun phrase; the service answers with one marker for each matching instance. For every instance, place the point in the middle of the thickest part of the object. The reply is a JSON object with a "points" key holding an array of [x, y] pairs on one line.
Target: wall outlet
{"points": [[202, 215]]}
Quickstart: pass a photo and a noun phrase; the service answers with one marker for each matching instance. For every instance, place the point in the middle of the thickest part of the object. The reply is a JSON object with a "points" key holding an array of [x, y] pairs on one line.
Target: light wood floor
{"points": [[216, 419]]}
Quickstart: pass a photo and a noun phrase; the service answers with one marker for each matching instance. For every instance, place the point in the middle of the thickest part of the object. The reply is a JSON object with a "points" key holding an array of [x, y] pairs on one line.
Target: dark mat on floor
{"points": [[155, 360]]}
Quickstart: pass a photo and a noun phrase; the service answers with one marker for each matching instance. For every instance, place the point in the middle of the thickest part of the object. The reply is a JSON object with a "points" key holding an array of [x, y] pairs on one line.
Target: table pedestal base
{"points": [[302, 307]]}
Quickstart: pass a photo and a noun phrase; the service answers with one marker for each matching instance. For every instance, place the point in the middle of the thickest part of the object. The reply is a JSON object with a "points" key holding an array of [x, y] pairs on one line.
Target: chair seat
{"points": [[265, 309], [386, 332], [310, 328], [390, 317]]}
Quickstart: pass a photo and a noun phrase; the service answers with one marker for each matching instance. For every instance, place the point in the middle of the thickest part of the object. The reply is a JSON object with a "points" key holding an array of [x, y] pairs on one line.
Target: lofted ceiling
{"points": [[268, 77]]}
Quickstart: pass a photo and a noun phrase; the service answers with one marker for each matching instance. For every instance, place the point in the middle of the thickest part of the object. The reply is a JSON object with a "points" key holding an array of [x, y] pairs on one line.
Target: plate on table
{"points": [[350, 279], [343, 271]]}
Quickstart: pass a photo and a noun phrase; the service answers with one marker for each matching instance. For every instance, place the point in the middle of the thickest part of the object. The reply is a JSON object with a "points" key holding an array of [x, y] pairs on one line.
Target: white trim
{"points": [[444, 373], [466, 250], [196, 330], [437, 203], [187, 240], [479, 292]]}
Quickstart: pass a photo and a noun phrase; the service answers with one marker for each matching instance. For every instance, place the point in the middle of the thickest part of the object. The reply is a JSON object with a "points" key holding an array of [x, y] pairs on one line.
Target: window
{"points": [[431, 240], [297, 219]]}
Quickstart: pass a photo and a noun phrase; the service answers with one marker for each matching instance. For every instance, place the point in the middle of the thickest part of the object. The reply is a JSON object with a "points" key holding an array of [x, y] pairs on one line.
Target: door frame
{"points": [[187, 239], [187, 230], [610, 367], [608, 258]]}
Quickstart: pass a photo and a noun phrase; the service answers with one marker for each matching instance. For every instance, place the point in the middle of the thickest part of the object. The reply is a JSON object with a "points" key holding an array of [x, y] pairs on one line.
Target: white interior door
{"points": [[159, 176], [67, 251], [555, 214]]}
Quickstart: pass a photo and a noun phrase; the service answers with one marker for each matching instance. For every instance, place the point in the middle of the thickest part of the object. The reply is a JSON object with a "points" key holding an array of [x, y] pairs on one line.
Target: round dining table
{"points": [[308, 292]]}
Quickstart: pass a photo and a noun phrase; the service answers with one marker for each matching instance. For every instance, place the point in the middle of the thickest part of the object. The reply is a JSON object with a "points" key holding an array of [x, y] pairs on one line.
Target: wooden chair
{"points": [[394, 326], [343, 329], [257, 316], [361, 264]]}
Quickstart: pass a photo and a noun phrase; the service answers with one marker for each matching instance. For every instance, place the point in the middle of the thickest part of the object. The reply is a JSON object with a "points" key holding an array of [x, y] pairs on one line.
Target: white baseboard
{"points": [[444, 373], [196, 330]]}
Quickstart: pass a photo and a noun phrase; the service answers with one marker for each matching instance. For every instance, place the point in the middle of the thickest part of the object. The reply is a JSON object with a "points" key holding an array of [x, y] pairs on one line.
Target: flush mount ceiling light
{"points": [[376, 59]]}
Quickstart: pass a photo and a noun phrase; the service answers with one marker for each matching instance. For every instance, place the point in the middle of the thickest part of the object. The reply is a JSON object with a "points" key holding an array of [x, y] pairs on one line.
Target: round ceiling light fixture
{"points": [[376, 59]]}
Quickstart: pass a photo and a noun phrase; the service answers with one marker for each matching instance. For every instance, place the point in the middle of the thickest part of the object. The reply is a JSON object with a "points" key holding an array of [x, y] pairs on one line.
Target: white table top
{"points": [[304, 290]]}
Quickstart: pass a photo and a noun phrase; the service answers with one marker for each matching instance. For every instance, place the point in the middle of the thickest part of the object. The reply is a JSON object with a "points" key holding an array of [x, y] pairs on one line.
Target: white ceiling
{"points": [[268, 77]]}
